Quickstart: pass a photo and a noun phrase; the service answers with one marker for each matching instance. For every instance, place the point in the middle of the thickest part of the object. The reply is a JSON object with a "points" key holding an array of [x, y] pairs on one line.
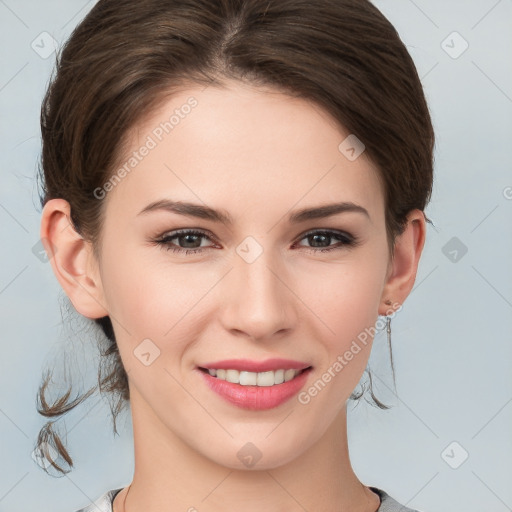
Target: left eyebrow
{"points": [[207, 213], [327, 210]]}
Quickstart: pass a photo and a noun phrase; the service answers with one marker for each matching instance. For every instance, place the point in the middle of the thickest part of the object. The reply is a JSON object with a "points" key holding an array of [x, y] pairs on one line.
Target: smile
{"points": [[255, 390], [246, 378]]}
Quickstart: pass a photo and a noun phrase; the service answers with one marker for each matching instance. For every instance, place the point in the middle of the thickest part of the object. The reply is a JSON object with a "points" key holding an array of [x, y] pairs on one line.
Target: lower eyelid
{"points": [[344, 240], [166, 241]]}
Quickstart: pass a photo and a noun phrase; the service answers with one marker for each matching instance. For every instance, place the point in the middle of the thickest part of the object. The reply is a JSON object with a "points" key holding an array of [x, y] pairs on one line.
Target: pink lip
{"points": [[256, 366], [255, 398]]}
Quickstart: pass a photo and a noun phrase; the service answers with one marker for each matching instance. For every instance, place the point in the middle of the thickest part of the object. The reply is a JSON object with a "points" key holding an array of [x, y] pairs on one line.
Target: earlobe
{"points": [[408, 249], [72, 260]]}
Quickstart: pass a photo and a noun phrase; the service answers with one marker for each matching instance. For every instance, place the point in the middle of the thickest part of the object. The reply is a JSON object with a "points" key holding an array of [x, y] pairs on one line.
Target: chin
{"points": [[256, 455]]}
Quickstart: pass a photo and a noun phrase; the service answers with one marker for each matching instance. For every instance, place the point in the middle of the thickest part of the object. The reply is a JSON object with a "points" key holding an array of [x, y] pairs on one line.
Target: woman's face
{"points": [[259, 287]]}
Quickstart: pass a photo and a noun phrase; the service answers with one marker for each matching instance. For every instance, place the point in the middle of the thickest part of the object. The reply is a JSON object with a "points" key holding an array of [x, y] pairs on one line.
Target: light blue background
{"points": [[452, 340]]}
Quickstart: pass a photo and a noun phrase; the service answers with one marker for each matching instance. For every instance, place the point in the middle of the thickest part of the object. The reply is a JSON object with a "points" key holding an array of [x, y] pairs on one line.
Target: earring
{"points": [[388, 322]]}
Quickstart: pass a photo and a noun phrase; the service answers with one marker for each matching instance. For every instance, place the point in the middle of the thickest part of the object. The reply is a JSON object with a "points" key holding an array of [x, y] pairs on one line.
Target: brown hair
{"points": [[126, 57]]}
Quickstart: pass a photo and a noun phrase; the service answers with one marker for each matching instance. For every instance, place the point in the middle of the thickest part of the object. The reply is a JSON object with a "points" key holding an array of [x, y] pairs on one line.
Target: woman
{"points": [[234, 191]]}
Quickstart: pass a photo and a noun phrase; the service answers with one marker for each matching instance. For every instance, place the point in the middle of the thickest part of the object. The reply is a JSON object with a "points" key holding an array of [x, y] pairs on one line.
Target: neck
{"points": [[169, 475]]}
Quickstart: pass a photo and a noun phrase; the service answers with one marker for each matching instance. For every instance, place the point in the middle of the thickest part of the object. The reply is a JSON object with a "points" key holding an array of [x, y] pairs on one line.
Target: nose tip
{"points": [[258, 303]]}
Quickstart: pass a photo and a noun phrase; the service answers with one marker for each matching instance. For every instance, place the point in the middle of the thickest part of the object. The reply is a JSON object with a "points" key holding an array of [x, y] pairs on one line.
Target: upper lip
{"points": [[249, 365]]}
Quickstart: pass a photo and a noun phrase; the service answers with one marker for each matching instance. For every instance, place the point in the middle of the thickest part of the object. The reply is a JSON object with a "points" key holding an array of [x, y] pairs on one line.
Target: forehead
{"points": [[243, 144]]}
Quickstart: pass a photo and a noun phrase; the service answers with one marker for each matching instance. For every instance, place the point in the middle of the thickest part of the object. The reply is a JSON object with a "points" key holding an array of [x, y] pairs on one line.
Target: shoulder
{"points": [[388, 504], [103, 503]]}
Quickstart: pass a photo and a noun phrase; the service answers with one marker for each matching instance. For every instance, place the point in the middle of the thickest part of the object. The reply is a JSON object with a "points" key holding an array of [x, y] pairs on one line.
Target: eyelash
{"points": [[346, 239]]}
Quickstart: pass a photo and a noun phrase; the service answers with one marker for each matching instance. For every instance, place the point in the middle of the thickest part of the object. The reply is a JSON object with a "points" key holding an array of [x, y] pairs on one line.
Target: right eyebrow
{"points": [[188, 209]]}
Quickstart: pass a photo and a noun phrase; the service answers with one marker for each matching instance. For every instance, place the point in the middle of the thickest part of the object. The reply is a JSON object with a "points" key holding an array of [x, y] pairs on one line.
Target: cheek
{"points": [[151, 298], [348, 305], [346, 296], [346, 299]]}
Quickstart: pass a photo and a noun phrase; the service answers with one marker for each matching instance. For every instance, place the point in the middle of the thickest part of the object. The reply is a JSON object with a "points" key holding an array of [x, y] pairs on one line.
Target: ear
{"points": [[72, 260], [404, 265]]}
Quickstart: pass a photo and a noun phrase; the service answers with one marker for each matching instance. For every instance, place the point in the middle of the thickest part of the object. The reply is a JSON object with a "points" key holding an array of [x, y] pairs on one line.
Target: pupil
{"points": [[187, 237], [313, 237]]}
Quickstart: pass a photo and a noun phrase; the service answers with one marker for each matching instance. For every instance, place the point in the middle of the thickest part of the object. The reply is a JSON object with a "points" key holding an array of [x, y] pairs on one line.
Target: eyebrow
{"points": [[207, 213]]}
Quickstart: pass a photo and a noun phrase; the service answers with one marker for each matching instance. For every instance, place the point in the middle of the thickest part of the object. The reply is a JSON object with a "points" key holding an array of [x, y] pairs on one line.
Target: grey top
{"points": [[387, 503]]}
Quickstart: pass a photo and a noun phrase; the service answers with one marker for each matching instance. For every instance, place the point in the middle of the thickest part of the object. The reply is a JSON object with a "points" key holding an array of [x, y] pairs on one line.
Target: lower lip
{"points": [[256, 398]]}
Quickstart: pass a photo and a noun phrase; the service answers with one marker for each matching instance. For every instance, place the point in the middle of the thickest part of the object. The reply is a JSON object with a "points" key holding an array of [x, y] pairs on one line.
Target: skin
{"points": [[258, 154]]}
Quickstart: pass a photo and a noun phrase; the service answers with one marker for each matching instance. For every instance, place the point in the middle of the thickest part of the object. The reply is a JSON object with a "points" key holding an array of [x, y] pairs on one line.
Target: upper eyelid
{"points": [[186, 231], [208, 234]]}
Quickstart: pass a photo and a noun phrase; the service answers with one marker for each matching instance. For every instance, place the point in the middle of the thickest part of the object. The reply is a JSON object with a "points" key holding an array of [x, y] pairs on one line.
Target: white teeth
{"points": [[248, 379], [233, 376], [288, 375], [265, 379], [244, 378]]}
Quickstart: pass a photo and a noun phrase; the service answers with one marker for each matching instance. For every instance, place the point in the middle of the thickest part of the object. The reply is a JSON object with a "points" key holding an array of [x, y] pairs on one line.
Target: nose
{"points": [[258, 301]]}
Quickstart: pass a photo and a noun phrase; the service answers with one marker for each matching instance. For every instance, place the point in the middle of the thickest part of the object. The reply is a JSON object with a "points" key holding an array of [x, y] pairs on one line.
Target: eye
{"points": [[191, 241], [325, 237]]}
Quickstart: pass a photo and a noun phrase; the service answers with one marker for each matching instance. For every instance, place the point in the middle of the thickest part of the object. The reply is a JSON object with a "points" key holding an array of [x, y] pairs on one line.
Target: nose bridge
{"points": [[257, 302]]}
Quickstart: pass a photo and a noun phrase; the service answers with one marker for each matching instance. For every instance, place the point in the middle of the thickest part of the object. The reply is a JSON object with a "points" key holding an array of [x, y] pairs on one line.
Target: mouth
{"points": [[255, 384], [260, 379]]}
